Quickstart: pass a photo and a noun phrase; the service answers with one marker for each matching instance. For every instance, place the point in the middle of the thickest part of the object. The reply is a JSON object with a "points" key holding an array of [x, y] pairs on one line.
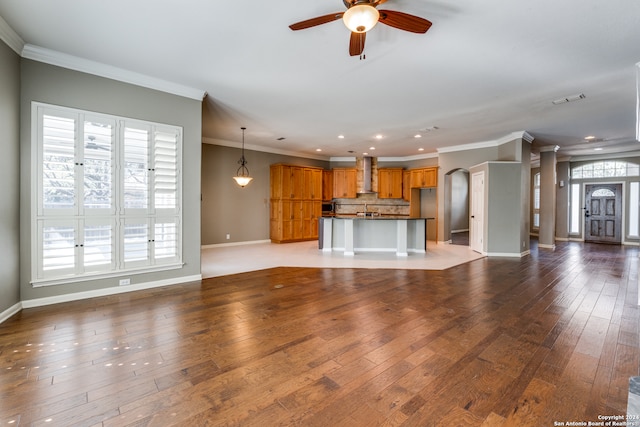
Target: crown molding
{"points": [[75, 63], [525, 136], [549, 148], [232, 144], [10, 37]]}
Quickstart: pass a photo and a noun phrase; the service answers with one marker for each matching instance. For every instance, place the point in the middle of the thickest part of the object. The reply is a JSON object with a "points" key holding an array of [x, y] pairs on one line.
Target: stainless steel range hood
{"points": [[366, 176]]}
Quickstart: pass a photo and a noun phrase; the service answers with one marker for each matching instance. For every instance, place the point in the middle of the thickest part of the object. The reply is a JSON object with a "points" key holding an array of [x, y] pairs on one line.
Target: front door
{"points": [[603, 213]]}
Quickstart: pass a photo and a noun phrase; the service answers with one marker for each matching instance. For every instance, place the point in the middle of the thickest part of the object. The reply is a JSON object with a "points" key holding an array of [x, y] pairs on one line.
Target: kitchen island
{"points": [[387, 233]]}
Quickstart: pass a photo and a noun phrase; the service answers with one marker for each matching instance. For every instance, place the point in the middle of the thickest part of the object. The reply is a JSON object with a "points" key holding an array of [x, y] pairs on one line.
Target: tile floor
{"points": [[224, 260]]}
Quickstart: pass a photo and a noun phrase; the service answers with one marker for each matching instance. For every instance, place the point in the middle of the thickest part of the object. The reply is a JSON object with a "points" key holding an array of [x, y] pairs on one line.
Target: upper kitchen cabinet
{"points": [[312, 184], [390, 183], [424, 177], [406, 185], [327, 185], [344, 183]]}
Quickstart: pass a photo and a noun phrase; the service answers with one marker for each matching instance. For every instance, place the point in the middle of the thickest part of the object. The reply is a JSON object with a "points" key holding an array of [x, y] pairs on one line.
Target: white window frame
{"points": [[86, 264], [536, 202]]}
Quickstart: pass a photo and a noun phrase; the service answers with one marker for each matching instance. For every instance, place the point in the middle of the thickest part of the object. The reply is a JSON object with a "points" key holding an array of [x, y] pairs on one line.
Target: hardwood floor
{"points": [[552, 337]]}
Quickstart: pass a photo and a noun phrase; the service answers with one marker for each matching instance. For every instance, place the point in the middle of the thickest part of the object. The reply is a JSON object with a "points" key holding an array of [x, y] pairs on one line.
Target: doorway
{"points": [[603, 213], [456, 207], [476, 232]]}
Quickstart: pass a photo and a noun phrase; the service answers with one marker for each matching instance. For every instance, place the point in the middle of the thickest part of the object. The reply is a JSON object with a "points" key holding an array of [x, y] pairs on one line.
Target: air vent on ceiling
{"points": [[569, 99], [282, 138]]}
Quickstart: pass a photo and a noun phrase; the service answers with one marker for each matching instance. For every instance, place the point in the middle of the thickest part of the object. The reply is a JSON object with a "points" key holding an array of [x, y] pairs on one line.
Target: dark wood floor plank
{"points": [[553, 336]]}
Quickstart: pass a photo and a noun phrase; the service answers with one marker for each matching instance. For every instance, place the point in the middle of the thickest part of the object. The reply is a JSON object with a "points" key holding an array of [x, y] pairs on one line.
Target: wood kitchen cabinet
{"points": [[424, 177], [344, 183], [390, 183], [406, 185], [296, 202], [327, 185]]}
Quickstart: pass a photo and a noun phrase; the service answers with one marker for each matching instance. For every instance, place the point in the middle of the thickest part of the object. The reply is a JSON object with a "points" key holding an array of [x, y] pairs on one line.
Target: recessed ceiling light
{"points": [[417, 135], [341, 136], [420, 149], [378, 136], [372, 148], [597, 149], [318, 149], [365, 154], [590, 137]]}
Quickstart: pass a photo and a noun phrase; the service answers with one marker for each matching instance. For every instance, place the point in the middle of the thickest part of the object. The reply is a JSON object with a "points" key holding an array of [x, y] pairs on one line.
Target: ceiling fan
{"points": [[363, 15]]}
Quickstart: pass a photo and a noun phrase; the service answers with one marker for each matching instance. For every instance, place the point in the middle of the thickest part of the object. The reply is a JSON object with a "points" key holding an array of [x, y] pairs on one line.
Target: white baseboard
{"points": [[509, 254], [10, 312], [39, 302], [222, 245], [545, 246]]}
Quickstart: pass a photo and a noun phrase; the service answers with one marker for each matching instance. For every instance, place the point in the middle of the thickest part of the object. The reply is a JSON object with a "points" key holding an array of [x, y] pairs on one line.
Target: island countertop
{"points": [[375, 217], [384, 233]]}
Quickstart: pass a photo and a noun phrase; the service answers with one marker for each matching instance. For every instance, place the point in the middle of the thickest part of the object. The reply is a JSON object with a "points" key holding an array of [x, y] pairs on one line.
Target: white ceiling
{"points": [[484, 70]]}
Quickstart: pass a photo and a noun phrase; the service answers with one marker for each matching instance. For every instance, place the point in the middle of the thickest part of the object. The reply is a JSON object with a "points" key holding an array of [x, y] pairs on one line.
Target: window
{"points": [[634, 205], [536, 200], [575, 209], [603, 192], [107, 196], [605, 169]]}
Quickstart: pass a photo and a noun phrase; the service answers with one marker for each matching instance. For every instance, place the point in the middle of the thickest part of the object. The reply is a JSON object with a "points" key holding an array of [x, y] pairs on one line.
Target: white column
{"points": [[348, 237], [547, 232], [401, 249], [327, 234]]}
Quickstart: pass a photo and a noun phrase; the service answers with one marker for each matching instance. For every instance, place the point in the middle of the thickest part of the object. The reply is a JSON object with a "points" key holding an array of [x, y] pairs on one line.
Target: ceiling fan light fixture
{"points": [[361, 18]]}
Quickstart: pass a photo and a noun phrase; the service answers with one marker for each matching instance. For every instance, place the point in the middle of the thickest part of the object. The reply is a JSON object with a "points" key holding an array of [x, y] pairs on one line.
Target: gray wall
{"points": [[243, 213], [449, 162], [9, 177], [54, 85], [504, 208]]}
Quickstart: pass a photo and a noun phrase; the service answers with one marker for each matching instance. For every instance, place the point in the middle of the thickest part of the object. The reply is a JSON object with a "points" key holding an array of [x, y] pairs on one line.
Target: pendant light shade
{"points": [[242, 174], [361, 18]]}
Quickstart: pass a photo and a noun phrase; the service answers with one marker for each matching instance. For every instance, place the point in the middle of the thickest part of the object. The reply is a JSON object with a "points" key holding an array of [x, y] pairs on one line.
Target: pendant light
{"points": [[242, 174]]}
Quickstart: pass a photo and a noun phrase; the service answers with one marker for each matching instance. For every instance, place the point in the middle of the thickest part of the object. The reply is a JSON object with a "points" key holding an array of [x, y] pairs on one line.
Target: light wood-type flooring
{"points": [[546, 339]]}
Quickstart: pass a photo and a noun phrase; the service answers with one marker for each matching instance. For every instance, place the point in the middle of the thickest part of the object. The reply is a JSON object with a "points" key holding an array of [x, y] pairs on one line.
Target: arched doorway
{"points": [[457, 207]]}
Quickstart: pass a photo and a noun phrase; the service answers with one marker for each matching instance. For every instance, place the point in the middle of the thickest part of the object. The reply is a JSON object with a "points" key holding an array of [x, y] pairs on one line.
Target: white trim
{"points": [[223, 245], [488, 144], [415, 157], [508, 254], [71, 62], [39, 302], [232, 144], [10, 37], [16, 308], [638, 102], [545, 246]]}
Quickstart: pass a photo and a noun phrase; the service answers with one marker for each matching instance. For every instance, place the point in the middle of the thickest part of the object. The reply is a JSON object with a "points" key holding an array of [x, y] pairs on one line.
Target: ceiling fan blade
{"points": [[356, 43], [404, 21], [319, 20]]}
